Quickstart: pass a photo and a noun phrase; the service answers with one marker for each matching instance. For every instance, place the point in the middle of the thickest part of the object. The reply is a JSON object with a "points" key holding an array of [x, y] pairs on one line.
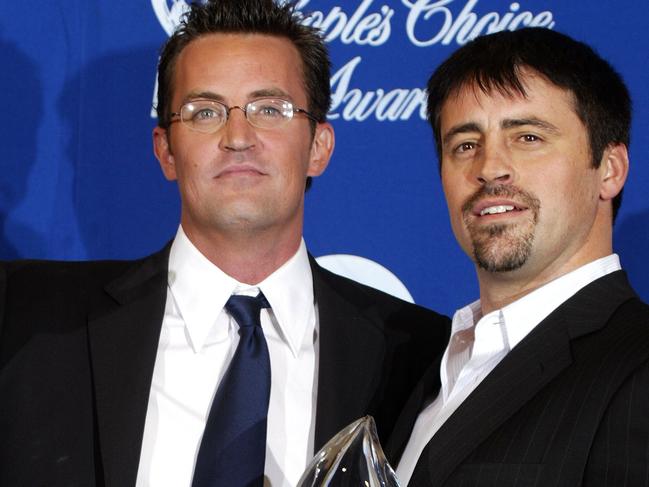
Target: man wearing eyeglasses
{"points": [[230, 357]]}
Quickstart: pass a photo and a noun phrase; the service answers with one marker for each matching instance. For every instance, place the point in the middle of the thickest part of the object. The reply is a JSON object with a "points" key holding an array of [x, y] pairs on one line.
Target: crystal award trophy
{"points": [[352, 458]]}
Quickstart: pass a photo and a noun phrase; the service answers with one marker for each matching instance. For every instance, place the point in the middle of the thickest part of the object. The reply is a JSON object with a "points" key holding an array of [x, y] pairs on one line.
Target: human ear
{"points": [[162, 151], [321, 149], [614, 169]]}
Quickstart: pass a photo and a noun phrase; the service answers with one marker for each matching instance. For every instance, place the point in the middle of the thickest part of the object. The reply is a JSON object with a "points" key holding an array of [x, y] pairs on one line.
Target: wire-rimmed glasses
{"points": [[207, 116]]}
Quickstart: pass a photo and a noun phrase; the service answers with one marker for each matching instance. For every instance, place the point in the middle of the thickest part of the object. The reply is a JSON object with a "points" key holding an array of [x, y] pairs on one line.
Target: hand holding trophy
{"points": [[352, 458]]}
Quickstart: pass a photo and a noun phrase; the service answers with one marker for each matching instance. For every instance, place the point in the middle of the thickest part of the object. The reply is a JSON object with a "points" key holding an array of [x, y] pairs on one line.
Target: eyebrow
{"points": [[263, 93], [270, 92], [533, 121], [461, 129], [508, 123], [205, 95]]}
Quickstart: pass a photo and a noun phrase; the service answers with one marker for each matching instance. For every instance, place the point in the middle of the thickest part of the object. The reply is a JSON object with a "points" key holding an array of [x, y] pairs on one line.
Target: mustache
{"points": [[502, 191]]}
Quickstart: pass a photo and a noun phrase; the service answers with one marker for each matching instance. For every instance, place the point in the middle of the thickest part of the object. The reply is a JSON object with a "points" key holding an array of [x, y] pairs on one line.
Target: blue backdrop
{"points": [[79, 180]]}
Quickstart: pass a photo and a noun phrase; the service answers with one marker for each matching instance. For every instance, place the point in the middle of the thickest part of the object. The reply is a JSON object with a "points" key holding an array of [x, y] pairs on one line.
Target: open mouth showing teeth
{"points": [[494, 210]]}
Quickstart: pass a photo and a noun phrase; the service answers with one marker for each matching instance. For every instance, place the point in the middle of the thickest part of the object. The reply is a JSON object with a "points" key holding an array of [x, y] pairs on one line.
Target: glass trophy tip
{"points": [[352, 458]]}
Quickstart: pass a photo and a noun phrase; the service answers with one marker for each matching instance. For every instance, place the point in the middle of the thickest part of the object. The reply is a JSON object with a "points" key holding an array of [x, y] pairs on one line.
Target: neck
{"points": [[247, 258], [498, 289]]}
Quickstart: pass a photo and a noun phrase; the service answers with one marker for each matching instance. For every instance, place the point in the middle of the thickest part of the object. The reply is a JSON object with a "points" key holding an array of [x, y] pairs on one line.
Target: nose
{"points": [[237, 134], [493, 166]]}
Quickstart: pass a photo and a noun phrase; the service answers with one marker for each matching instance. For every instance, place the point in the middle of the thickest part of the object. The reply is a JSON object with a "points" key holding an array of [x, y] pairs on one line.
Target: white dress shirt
{"points": [[474, 350], [197, 341]]}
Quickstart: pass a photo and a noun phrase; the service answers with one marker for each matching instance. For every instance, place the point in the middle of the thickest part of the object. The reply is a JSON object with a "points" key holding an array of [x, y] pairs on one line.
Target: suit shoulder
{"points": [[364, 296], [617, 351], [635, 308], [42, 275], [56, 298], [632, 319], [48, 280]]}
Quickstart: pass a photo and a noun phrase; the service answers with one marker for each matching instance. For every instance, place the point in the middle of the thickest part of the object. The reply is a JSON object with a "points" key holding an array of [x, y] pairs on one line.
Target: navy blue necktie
{"points": [[233, 448]]}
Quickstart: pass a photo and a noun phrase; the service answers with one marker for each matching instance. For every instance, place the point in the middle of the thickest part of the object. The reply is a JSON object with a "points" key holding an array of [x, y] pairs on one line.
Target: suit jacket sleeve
{"points": [[620, 452]]}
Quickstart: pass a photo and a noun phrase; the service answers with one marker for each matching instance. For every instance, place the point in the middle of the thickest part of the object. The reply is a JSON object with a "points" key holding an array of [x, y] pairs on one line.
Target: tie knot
{"points": [[245, 309]]}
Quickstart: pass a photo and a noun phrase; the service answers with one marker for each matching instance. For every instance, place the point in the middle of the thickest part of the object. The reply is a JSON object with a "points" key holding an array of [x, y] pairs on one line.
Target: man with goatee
{"points": [[545, 380]]}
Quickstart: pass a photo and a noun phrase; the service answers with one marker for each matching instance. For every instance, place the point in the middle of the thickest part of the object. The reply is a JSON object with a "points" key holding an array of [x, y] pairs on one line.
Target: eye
{"points": [[269, 110], [202, 112], [464, 147], [530, 138], [205, 114]]}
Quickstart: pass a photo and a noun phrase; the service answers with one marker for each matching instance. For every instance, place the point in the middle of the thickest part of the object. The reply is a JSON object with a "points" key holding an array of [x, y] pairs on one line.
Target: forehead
{"points": [[233, 66], [541, 98]]}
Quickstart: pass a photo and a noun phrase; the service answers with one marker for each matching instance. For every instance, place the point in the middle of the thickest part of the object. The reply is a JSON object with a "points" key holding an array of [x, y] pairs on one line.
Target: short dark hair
{"points": [[496, 61], [251, 17]]}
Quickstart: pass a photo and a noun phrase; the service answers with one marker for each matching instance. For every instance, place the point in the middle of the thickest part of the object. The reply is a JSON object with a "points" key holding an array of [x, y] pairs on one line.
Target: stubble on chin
{"points": [[503, 247]]}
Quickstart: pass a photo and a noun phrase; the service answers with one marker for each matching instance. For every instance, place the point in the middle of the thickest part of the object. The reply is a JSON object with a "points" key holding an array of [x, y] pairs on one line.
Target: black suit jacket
{"points": [[78, 344], [568, 406]]}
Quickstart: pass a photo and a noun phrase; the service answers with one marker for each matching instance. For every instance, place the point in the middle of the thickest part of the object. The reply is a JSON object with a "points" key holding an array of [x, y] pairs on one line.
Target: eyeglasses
{"points": [[208, 116]]}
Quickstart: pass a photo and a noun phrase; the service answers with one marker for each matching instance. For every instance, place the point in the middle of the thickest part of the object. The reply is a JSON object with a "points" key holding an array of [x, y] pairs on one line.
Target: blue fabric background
{"points": [[79, 180]]}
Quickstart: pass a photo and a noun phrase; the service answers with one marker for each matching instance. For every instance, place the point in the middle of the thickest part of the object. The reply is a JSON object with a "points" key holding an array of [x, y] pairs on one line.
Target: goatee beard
{"points": [[502, 247]]}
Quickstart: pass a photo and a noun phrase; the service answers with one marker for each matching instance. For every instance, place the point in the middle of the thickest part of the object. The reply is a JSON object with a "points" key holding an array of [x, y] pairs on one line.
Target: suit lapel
{"points": [[532, 364], [428, 386], [524, 371], [123, 335], [351, 350]]}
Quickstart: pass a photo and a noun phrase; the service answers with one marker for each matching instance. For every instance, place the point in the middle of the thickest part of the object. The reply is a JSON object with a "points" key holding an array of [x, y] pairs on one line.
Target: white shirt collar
{"points": [[289, 291], [200, 290], [520, 317]]}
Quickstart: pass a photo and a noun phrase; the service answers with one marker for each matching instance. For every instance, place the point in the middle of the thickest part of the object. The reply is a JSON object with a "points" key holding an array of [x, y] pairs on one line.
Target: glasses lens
{"points": [[203, 115], [269, 112]]}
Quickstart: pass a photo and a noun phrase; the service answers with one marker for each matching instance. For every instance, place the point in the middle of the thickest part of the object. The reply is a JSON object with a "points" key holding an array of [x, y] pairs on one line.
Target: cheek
{"points": [[185, 170], [562, 211], [294, 160], [454, 205], [573, 192], [193, 178], [453, 194], [195, 157]]}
